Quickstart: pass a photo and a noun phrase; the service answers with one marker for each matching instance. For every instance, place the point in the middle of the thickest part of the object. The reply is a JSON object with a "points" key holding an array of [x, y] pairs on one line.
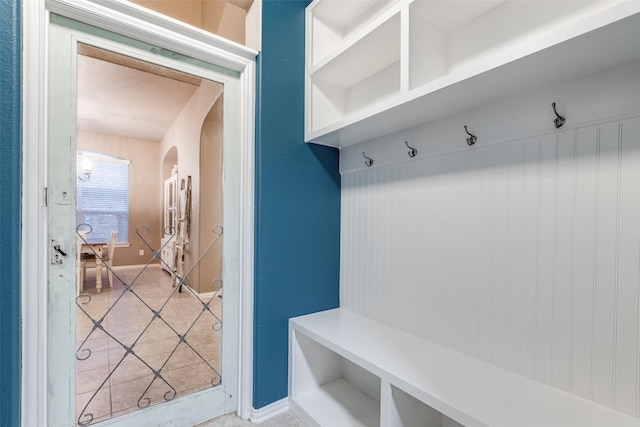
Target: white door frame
{"points": [[133, 21]]}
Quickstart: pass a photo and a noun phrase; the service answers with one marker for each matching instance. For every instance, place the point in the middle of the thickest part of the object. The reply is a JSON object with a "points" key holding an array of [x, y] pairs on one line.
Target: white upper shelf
{"points": [[406, 63], [450, 15]]}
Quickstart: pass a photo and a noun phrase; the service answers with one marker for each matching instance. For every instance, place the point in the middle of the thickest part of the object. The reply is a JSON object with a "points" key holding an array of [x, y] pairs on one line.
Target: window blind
{"points": [[103, 197]]}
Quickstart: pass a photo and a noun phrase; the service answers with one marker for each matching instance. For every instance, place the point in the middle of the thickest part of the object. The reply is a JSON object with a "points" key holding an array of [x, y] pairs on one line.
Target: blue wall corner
{"points": [[10, 213], [297, 203]]}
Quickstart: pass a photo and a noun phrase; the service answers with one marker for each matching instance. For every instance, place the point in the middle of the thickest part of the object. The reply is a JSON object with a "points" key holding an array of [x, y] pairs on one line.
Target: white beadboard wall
{"points": [[524, 253]]}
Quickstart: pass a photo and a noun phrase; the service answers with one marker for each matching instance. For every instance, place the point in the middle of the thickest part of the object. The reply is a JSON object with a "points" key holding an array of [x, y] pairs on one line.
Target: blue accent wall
{"points": [[297, 203], [10, 183]]}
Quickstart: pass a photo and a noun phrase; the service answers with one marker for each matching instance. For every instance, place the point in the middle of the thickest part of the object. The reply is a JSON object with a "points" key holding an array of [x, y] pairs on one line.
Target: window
{"points": [[103, 196]]}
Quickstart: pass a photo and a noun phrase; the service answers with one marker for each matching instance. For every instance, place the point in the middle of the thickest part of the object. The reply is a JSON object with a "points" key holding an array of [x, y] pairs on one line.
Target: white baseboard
{"points": [[124, 267], [266, 412]]}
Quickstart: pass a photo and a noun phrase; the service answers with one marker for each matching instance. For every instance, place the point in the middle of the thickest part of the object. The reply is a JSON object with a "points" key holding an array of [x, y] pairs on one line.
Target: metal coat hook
{"points": [[559, 120], [368, 160], [472, 138], [412, 151]]}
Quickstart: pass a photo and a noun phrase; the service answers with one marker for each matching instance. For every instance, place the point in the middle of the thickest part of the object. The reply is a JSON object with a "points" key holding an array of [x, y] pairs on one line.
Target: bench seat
{"points": [[346, 369]]}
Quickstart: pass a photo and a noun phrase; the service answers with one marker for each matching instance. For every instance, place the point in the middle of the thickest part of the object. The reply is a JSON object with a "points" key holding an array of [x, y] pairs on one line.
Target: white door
{"points": [[63, 353]]}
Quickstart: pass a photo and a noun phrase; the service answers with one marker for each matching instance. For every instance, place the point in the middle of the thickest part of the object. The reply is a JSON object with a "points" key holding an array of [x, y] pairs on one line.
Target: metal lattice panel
{"points": [[180, 318]]}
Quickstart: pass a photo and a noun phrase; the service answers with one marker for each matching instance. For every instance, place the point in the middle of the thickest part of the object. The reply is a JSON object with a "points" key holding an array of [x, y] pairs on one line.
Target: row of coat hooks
{"points": [[472, 139]]}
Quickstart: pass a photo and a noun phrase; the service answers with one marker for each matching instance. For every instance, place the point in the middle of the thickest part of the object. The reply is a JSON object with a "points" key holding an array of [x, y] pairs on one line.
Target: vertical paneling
{"points": [[368, 246], [500, 283], [420, 238], [606, 262], [529, 251], [584, 221], [474, 307], [563, 262], [525, 254], [514, 228], [431, 197], [626, 331], [393, 242], [460, 288], [547, 173], [484, 218]]}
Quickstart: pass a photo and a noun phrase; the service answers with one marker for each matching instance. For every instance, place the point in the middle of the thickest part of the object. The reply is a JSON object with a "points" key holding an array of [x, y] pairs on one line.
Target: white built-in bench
{"points": [[347, 370]]}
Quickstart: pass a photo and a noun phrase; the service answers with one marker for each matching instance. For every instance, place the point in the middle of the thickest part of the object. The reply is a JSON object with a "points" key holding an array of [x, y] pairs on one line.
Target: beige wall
{"points": [[210, 214], [145, 189], [224, 19], [253, 26], [216, 16], [183, 10], [184, 135]]}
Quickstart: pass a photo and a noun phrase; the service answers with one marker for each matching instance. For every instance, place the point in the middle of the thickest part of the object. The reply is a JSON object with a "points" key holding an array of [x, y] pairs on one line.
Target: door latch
{"points": [[57, 254]]}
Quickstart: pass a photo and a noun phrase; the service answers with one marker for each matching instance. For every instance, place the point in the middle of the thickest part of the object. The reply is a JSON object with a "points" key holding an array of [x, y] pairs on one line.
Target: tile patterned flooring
{"points": [[110, 382], [286, 419]]}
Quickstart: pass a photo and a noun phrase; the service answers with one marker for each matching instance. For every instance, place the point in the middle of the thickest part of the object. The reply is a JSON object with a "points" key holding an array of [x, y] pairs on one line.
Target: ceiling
{"points": [[122, 96]]}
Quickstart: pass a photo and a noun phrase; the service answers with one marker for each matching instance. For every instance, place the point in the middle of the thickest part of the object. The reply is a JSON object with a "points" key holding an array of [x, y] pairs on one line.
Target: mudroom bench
{"points": [[348, 370]]}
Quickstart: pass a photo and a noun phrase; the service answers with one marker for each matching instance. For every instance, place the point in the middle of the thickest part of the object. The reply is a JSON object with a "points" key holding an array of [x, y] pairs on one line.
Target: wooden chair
{"points": [[105, 256]]}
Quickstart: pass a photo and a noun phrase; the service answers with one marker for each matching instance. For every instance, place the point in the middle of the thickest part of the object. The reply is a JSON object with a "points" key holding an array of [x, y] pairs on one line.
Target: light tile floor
{"points": [[287, 419], [110, 382]]}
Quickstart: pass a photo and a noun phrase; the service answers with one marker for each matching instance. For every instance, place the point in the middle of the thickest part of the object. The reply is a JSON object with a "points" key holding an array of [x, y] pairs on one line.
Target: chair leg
{"points": [[78, 280], [81, 277], [110, 274]]}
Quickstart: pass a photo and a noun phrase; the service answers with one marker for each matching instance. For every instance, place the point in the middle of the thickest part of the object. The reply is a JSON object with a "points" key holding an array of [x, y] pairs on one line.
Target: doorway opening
{"points": [[149, 220]]}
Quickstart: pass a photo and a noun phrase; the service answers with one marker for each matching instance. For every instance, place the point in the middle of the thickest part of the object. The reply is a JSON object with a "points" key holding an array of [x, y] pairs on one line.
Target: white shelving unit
{"points": [[170, 217], [364, 69], [347, 370], [375, 67]]}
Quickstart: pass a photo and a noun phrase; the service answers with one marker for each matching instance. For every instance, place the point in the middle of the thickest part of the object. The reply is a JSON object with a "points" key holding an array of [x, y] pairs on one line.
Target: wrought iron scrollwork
{"points": [[130, 288]]}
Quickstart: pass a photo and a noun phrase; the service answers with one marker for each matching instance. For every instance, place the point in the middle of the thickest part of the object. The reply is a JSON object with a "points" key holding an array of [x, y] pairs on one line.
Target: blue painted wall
{"points": [[297, 202], [10, 182]]}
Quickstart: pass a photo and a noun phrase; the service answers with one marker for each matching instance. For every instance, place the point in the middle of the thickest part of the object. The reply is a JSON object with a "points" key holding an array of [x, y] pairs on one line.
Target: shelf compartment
{"points": [[407, 411], [368, 72], [451, 37], [334, 22], [329, 390], [333, 104], [432, 25]]}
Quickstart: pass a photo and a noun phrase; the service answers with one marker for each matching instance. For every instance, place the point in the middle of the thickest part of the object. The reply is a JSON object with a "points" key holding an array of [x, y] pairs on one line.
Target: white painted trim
{"points": [[129, 19], [133, 21], [33, 298], [247, 201], [267, 412], [154, 412]]}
